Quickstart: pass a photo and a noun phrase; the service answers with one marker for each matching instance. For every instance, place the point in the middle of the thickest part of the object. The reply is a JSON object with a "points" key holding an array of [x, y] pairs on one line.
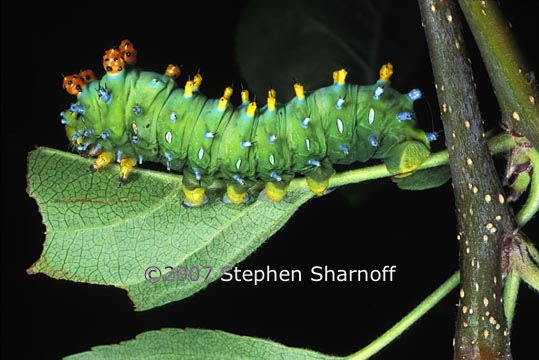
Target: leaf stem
{"points": [[514, 88], [408, 320], [531, 206], [510, 294], [498, 144]]}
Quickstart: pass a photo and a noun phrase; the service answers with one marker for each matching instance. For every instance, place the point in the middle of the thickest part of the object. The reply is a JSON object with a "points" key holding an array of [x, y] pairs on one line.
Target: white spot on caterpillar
{"points": [[516, 116], [168, 137], [340, 126], [371, 116], [485, 333], [238, 164], [488, 198], [485, 301], [308, 144], [135, 128], [501, 198], [272, 159], [200, 153]]}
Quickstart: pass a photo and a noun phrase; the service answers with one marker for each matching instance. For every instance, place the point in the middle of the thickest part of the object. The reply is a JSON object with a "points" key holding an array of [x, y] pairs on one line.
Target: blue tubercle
{"points": [[404, 116], [104, 94], [63, 120], [345, 149], [135, 139], [168, 156], [198, 176], [245, 144], [415, 94], [373, 140], [377, 93], [95, 149], [105, 134], [208, 135], [314, 162], [173, 117], [239, 179], [137, 110], [118, 156], [339, 103], [88, 132], [76, 108], [76, 135], [305, 122], [276, 176], [432, 136], [272, 139]]}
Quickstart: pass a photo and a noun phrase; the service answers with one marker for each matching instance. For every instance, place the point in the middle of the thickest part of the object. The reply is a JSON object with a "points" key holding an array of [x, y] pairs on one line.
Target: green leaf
{"points": [[197, 344], [100, 233], [306, 40], [424, 179]]}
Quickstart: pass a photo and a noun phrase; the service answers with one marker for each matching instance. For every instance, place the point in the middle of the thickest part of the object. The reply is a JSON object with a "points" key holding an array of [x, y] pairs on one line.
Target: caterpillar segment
{"points": [[133, 116]]}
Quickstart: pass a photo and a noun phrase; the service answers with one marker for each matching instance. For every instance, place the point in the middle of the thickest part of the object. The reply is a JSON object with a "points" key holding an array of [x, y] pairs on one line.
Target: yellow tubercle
{"points": [[318, 187], [272, 99], [244, 96], [188, 91], [223, 101], [195, 196], [102, 160], [341, 76], [275, 193], [335, 76], [298, 89], [251, 109], [197, 81], [386, 71], [234, 196], [271, 103], [126, 164], [228, 92]]}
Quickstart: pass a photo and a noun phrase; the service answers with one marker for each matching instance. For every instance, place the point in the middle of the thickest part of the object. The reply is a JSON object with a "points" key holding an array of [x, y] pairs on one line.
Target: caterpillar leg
{"points": [[235, 194], [274, 191], [318, 180], [126, 164], [102, 160], [194, 193], [406, 157], [194, 197]]}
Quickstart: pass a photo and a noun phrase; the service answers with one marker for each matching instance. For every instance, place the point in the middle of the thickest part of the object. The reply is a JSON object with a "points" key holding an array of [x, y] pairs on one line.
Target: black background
{"points": [[47, 319]]}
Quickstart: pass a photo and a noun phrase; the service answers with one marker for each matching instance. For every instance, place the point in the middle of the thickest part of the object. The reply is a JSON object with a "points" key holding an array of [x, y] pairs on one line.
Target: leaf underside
{"points": [[197, 344], [99, 233]]}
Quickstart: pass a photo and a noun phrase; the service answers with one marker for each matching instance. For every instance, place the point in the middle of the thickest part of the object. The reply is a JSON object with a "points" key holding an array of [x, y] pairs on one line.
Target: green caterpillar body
{"points": [[144, 116]]}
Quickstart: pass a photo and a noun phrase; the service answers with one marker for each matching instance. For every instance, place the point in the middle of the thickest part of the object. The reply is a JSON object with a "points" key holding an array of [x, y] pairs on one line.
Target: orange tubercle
{"points": [[87, 76], [173, 71], [113, 61], [73, 84], [128, 51]]}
